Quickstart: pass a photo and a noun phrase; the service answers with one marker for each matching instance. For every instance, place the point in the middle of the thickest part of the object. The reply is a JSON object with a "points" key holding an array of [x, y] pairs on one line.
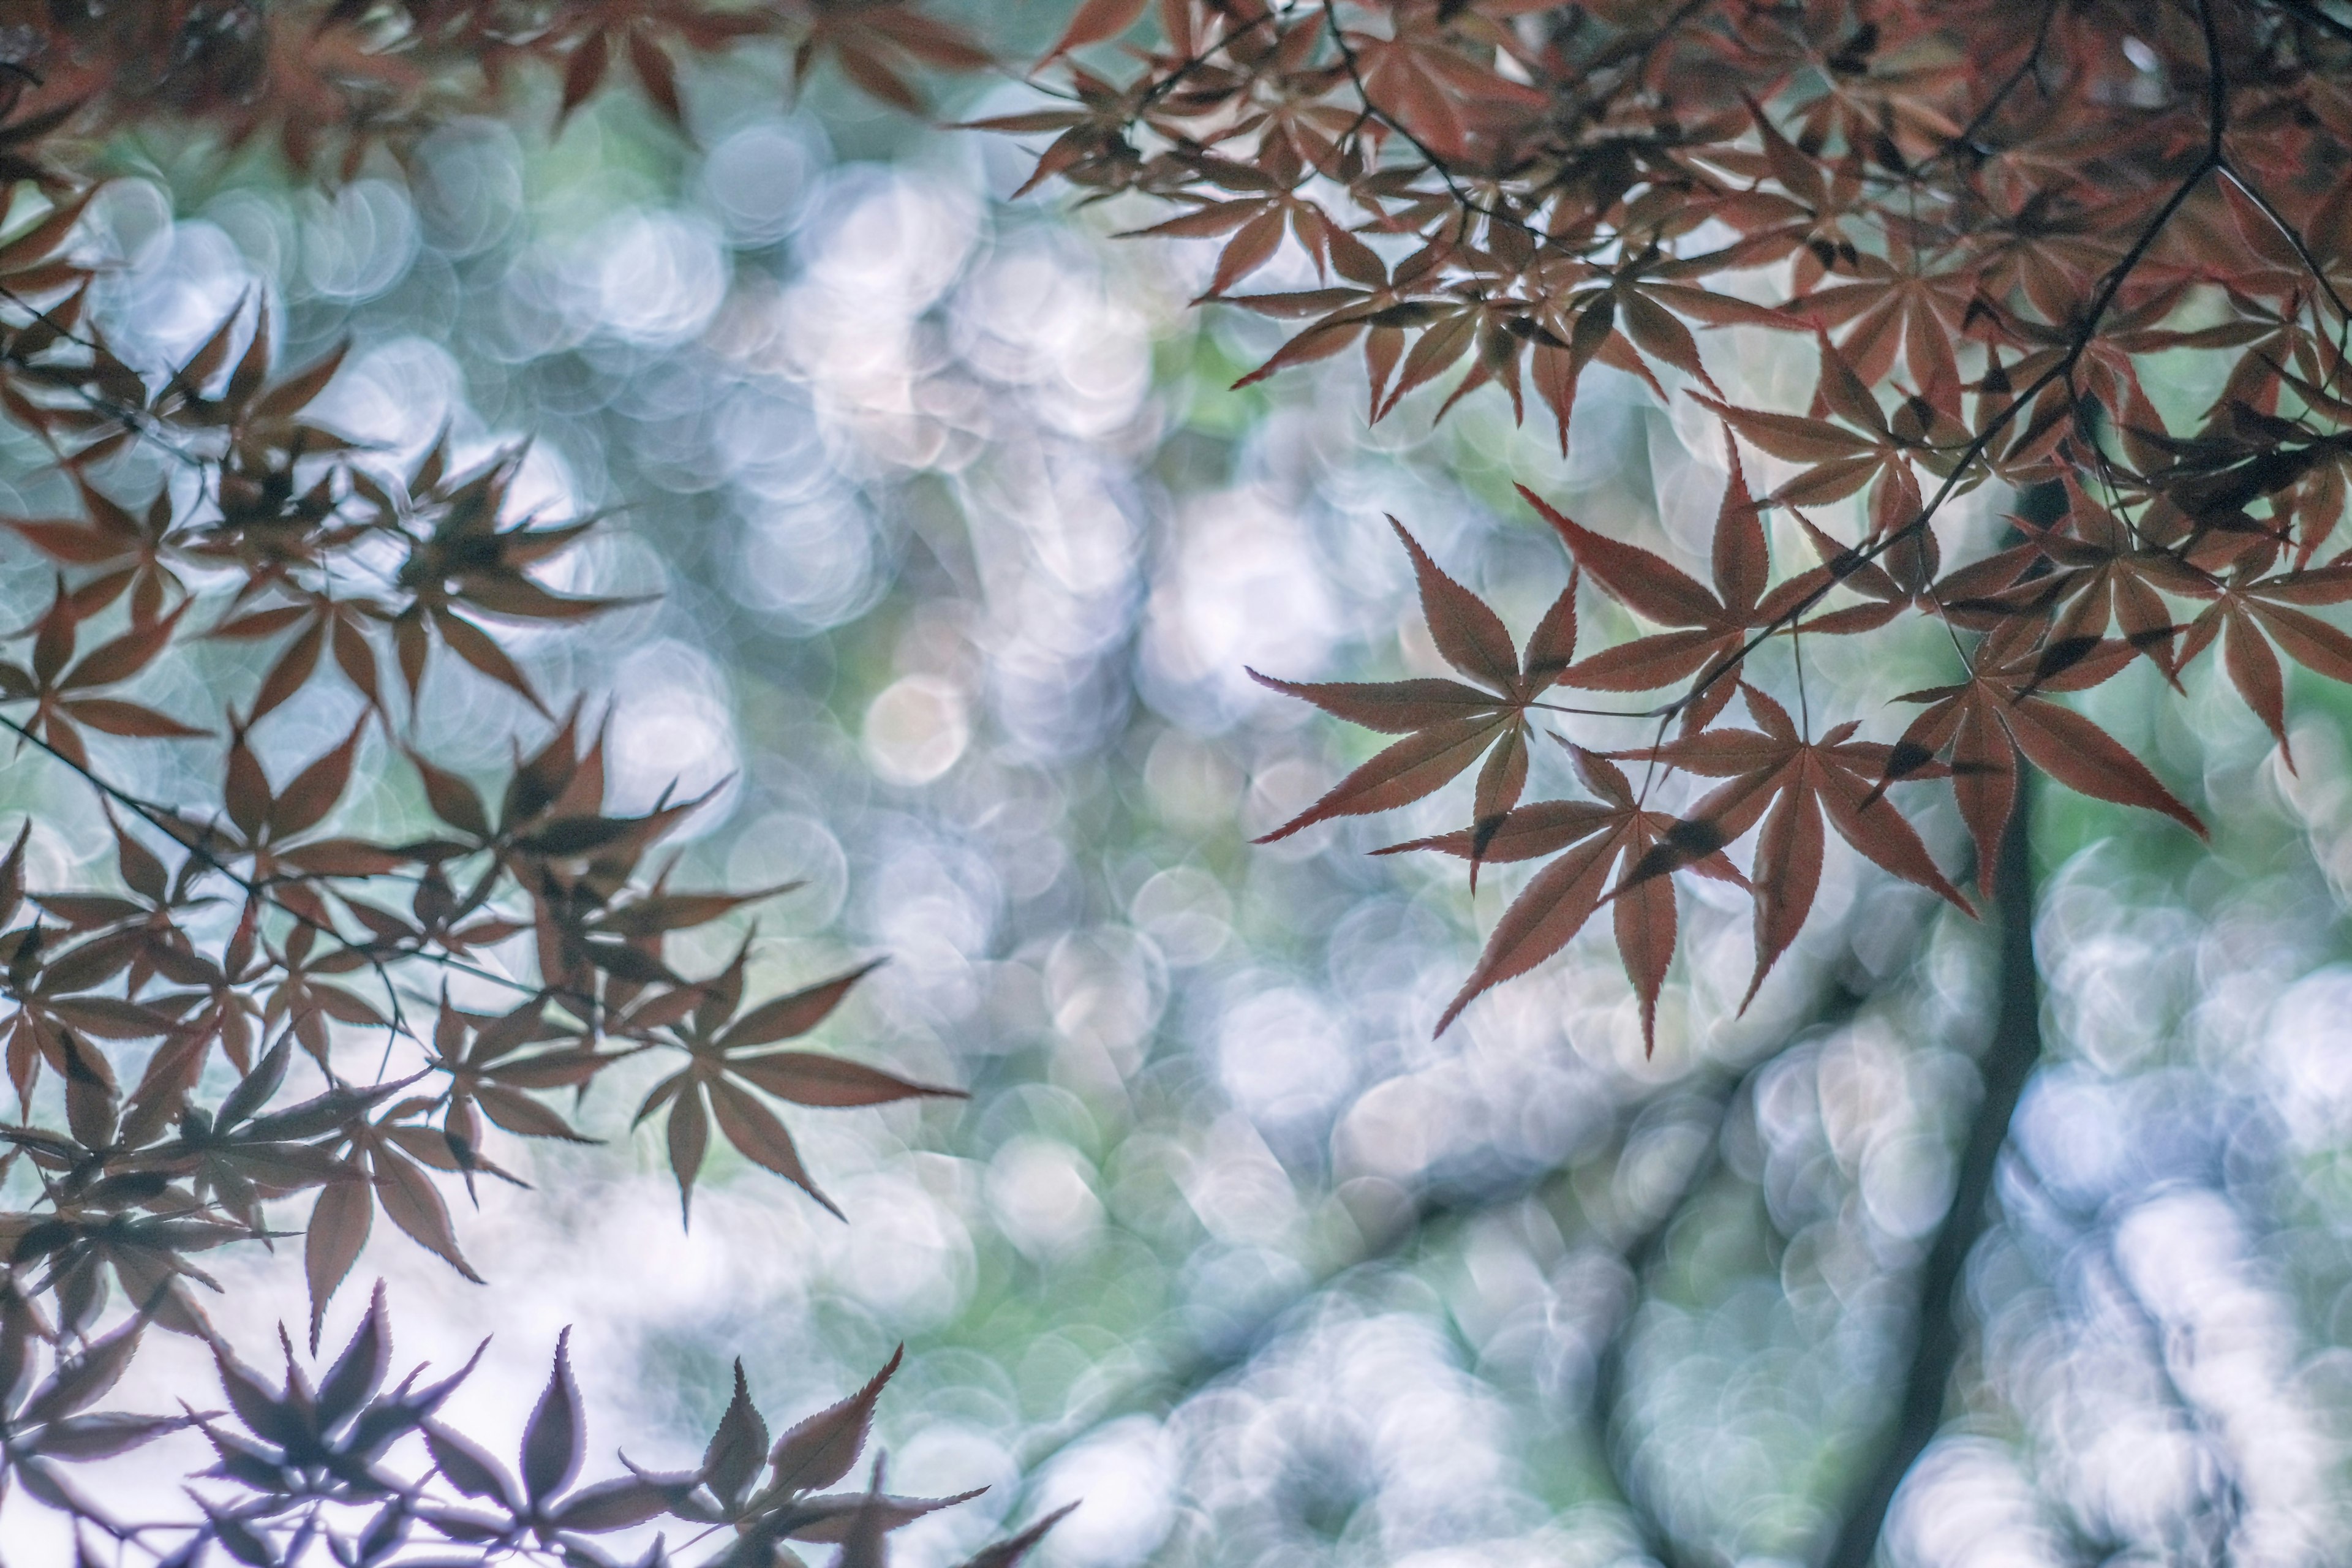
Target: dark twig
{"points": [[1999, 96], [1438, 166], [2302, 253]]}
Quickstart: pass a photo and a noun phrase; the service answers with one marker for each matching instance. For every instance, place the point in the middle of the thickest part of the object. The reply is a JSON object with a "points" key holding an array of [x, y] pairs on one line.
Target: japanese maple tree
{"points": [[2005, 235], [2002, 235]]}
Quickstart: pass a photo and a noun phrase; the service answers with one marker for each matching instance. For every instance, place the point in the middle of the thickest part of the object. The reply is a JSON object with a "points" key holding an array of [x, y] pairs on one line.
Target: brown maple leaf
{"points": [[2249, 613], [1983, 723], [1446, 725], [1598, 843], [1790, 784], [1708, 631]]}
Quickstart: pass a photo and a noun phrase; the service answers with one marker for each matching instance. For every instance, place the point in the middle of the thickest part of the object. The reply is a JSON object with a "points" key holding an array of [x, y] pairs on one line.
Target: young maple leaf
{"points": [[1790, 784], [1603, 840], [1446, 725], [1708, 630]]}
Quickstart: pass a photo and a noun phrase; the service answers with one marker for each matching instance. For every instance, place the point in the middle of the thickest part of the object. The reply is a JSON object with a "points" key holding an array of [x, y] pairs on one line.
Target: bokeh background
{"points": [[957, 546]]}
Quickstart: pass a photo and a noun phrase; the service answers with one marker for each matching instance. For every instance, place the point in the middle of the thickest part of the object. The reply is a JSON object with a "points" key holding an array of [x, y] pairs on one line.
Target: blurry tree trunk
{"points": [[2009, 1059]]}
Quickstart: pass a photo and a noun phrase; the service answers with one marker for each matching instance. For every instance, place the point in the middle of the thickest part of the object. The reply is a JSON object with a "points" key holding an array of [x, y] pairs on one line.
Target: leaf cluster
{"points": [[1989, 225], [198, 1049], [326, 84], [374, 1474], [1993, 223]]}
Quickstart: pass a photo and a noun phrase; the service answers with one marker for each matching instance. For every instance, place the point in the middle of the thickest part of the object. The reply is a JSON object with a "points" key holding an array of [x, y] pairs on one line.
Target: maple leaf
{"points": [[1425, 81], [1982, 724], [64, 689], [1598, 843], [2101, 362], [325, 1437], [488, 1075], [1903, 577], [730, 1068], [536, 1502], [1880, 96], [2249, 611], [468, 562], [1447, 725], [1262, 202], [326, 78], [1790, 784], [768, 1495], [2062, 590], [639, 29], [1810, 213], [1710, 631], [878, 44], [128, 552], [48, 1421], [1633, 309], [326, 625], [1871, 449], [1901, 301], [395, 1154]]}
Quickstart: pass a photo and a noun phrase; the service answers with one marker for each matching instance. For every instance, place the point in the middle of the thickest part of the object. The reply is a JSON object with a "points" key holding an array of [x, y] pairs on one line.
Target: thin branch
{"points": [[137, 421], [1174, 78], [1646, 1248], [1639, 52], [1641, 1256], [2302, 253], [1181, 1379], [1719, 1090]]}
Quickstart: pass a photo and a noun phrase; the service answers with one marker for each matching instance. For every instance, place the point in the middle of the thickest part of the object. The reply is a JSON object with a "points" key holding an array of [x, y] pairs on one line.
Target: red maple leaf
{"points": [[1708, 631], [1790, 784], [1598, 843], [1446, 725]]}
